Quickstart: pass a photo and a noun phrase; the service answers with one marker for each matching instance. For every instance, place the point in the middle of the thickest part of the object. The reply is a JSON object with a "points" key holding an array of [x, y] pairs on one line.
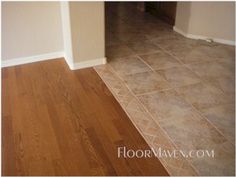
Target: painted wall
{"points": [[66, 30], [87, 30], [210, 19], [30, 28], [182, 19]]}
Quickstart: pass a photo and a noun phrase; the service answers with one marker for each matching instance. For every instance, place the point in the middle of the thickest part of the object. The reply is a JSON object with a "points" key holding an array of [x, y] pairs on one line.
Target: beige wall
{"points": [[30, 28], [210, 19], [66, 30], [87, 30], [183, 15], [38, 28]]}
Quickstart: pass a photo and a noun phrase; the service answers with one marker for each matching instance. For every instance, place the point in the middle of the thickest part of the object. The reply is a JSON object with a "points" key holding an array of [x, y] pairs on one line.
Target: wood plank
{"points": [[61, 122]]}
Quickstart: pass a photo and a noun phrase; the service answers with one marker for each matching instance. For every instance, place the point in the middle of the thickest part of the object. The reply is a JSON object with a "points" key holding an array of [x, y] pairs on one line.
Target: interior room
{"points": [[118, 88]]}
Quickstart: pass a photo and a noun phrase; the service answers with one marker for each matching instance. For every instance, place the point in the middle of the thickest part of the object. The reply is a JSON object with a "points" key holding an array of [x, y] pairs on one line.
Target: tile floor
{"points": [[178, 92]]}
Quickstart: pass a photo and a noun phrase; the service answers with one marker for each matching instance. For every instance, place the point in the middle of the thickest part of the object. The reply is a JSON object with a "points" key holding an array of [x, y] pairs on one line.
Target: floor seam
{"points": [[152, 118], [137, 128]]}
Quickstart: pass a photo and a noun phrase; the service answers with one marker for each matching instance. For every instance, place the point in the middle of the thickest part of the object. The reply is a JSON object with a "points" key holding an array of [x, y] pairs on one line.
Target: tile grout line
{"points": [[174, 88], [145, 62], [127, 99], [200, 114], [181, 65], [141, 133], [155, 91], [150, 144], [204, 82], [153, 118], [156, 71]]}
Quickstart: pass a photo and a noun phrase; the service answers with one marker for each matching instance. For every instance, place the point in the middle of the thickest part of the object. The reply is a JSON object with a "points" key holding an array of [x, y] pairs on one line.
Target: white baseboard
{"points": [[50, 56], [193, 36], [86, 64], [31, 59]]}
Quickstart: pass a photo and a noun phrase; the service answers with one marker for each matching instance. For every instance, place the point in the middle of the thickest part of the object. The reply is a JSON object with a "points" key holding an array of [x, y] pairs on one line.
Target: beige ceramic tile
{"points": [[179, 76], [179, 52], [229, 65], [118, 51], [160, 60], [223, 163], [204, 53], [171, 122], [226, 84], [129, 65], [165, 105], [131, 37], [195, 55], [157, 31], [116, 86], [203, 95], [187, 170], [209, 70], [217, 51], [145, 82], [164, 38], [143, 47], [112, 40], [176, 116], [187, 129], [192, 132], [153, 134], [174, 43], [223, 117], [180, 45]]}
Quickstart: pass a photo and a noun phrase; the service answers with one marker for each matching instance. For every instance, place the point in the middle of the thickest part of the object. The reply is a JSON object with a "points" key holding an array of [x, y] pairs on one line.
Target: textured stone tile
{"points": [[226, 84], [150, 130], [223, 117], [183, 125], [176, 44], [196, 55], [179, 76], [118, 51], [130, 65], [203, 95], [131, 36], [143, 47], [229, 65], [192, 132], [217, 51], [204, 52], [209, 70], [181, 44], [112, 40], [165, 105], [160, 60], [223, 163], [167, 118], [145, 82]]}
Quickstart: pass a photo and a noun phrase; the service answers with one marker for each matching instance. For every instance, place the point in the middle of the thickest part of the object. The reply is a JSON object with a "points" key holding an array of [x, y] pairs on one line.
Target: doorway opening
{"points": [[131, 26]]}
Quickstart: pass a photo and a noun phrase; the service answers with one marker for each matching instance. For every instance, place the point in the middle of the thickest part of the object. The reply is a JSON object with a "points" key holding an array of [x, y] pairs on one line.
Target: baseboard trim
{"points": [[193, 36], [31, 59], [51, 56], [86, 64]]}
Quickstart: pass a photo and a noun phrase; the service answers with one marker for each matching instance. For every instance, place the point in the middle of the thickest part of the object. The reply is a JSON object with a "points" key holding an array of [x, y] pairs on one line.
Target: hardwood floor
{"points": [[61, 122]]}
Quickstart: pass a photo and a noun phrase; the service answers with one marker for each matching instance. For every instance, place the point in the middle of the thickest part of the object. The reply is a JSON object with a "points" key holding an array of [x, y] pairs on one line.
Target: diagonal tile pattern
{"points": [[211, 70], [129, 65], [151, 81], [178, 92], [179, 76], [202, 95], [160, 60]]}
